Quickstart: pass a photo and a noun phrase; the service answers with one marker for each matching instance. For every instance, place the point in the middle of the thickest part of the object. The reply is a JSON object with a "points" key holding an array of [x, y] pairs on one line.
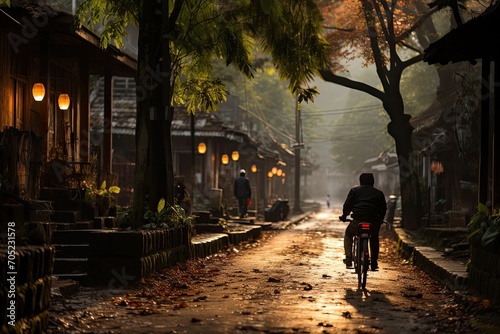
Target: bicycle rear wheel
{"points": [[365, 262], [359, 261]]}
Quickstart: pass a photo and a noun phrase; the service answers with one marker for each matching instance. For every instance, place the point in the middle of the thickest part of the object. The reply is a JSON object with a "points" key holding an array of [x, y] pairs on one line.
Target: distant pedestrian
{"points": [[328, 201], [242, 192]]}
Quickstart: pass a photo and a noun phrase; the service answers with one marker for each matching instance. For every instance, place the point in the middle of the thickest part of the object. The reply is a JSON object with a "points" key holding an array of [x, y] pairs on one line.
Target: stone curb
{"points": [[449, 272], [207, 244]]}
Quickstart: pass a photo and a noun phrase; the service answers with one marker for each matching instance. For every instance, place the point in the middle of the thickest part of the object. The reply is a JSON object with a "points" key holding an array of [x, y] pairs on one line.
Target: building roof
{"points": [[64, 39], [476, 39]]}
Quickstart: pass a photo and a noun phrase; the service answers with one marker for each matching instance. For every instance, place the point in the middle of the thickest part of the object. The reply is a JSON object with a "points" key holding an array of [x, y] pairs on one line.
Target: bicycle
{"points": [[361, 251]]}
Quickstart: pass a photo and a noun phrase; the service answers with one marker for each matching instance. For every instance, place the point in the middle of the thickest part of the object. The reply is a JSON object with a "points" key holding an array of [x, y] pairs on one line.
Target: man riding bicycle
{"points": [[367, 204]]}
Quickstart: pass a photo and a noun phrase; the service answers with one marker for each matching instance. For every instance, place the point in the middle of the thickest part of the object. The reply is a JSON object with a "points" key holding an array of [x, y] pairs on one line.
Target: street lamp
{"points": [[270, 192], [202, 148], [254, 169], [274, 170], [235, 156], [38, 91], [63, 101], [224, 159]]}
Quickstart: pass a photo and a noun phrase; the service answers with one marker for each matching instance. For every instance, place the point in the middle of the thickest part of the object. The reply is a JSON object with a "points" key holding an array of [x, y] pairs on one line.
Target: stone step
{"points": [[66, 287], [104, 222], [40, 215], [63, 226], [70, 265], [84, 225], [66, 216], [208, 228], [66, 237], [68, 205], [54, 194], [72, 250], [81, 278]]}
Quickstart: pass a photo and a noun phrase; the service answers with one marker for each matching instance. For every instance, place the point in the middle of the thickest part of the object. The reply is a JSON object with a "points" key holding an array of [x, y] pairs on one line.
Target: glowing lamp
{"points": [[202, 148], [270, 174], [38, 91], [274, 170], [224, 159], [279, 172], [253, 168], [63, 101], [235, 155]]}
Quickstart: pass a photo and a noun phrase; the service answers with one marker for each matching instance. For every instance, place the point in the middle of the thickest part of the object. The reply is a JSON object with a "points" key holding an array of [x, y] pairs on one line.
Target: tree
{"points": [[177, 41], [391, 35]]}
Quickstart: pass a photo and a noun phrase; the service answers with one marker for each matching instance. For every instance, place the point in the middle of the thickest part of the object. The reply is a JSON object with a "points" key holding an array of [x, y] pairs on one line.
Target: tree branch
{"points": [[337, 28], [417, 24], [413, 60], [329, 76]]}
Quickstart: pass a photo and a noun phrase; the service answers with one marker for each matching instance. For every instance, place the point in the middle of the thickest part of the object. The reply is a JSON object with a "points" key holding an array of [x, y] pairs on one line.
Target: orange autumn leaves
{"points": [[346, 27]]}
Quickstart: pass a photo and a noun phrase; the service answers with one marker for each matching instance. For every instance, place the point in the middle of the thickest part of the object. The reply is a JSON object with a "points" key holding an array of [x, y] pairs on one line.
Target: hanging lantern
{"points": [[235, 155], [253, 168], [224, 159], [63, 101], [279, 172], [274, 170], [38, 91], [202, 148], [270, 174]]}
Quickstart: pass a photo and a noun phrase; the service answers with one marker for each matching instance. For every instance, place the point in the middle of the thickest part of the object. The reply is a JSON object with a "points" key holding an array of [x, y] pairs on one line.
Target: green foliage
{"points": [[201, 30], [114, 16], [484, 227], [93, 193], [167, 215]]}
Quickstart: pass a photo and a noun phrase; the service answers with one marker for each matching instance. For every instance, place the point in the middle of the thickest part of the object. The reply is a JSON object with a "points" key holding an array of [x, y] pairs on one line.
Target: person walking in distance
{"points": [[365, 203], [328, 201], [242, 192]]}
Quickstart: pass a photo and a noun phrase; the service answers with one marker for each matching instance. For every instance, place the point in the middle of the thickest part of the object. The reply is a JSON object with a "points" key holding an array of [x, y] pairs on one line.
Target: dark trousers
{"points": [[243, 205], [350, 231]]}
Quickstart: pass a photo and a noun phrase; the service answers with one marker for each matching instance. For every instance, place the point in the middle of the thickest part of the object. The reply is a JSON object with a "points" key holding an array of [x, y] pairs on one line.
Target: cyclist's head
{"points": [[366, 179]]}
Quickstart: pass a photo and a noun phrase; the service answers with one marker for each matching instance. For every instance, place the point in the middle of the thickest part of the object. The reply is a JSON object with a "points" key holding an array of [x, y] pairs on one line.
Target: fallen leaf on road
{"points": [[273, 280], [307, 286], [347, 315], [200, 298]]}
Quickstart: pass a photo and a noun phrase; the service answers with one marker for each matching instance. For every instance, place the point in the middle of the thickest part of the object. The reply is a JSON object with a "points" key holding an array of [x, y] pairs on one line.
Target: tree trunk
{"points": [[149, 24], [411, 198]]}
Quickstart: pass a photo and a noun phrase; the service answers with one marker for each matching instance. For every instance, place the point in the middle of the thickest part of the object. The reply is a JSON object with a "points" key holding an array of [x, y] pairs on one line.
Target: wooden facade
{"points": [[41, 45]]}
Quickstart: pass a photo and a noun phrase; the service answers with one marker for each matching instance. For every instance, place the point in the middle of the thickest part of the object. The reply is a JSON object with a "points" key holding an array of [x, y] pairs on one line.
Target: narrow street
{"points": [[289, 281]]}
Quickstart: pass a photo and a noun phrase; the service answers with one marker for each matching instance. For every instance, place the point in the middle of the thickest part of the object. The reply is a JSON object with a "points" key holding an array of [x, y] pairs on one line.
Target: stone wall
{"points": [[120, 258], [484, 273], [32, 281]]}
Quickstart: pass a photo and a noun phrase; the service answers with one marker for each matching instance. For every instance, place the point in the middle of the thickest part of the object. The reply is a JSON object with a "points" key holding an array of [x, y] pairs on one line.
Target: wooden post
{"points": [[108, 124]]}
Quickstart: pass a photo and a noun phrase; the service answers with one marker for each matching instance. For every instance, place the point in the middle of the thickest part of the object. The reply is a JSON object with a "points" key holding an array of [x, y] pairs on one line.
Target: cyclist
{"points": [[367, 204]]}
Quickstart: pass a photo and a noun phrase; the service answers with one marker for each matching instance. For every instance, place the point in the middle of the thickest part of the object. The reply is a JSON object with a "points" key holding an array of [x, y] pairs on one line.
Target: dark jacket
{"points": [[366, 203], [242, 187]]}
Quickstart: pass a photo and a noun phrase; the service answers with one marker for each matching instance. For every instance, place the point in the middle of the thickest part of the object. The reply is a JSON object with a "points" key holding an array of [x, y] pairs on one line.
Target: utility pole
{"points": [[298, 145]]}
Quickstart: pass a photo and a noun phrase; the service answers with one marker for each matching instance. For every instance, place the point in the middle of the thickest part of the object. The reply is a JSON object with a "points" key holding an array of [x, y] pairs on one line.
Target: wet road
{"points": [[290, 281]]}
